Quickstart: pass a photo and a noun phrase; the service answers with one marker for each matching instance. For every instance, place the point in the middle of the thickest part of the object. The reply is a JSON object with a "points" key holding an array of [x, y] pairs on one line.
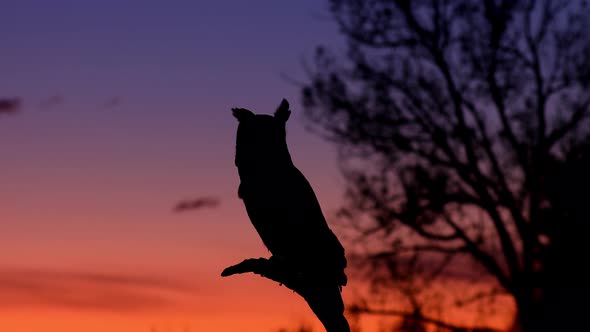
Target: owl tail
{"points": [[326, 303]]}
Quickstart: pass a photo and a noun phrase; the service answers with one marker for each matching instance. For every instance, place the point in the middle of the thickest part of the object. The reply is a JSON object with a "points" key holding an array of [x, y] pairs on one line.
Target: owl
{"points": [[279, 200]]}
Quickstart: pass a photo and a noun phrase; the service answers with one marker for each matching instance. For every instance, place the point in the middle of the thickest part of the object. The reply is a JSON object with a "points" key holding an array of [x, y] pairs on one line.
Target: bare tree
{"points": [[452, 119]]}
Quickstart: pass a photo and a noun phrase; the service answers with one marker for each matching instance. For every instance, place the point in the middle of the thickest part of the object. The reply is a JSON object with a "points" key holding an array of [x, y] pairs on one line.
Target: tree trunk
{"points": [[561, 301]]}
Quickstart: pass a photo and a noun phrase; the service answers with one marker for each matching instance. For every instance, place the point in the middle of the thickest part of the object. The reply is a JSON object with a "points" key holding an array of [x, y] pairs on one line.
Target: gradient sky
{"points": [[126, 111]]}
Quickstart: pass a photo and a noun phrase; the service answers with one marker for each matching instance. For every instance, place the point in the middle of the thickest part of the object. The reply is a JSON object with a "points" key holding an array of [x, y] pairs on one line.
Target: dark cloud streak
{"points": [[9, 105], [112, 102], [196, 204], [90, 290]]}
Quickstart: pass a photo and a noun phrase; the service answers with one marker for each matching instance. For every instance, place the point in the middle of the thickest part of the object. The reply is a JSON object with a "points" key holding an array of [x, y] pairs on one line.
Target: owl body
{"points": [[279, 200]]}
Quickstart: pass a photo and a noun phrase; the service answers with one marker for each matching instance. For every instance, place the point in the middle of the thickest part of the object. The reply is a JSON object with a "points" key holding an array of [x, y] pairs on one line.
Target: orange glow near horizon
{"points": [[91, 246], [120, 301]]}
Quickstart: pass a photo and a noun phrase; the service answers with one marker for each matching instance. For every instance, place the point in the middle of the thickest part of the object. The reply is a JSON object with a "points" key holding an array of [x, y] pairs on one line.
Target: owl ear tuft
{"points": [[282, 113], [241, 113]]}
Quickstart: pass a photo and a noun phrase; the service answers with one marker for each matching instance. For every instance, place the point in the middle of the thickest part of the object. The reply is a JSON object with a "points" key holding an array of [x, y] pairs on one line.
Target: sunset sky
{"points": [[125, 112]]}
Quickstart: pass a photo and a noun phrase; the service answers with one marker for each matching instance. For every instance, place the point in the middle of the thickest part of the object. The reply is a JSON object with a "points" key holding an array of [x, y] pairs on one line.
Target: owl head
{"points": [[261, 138]]}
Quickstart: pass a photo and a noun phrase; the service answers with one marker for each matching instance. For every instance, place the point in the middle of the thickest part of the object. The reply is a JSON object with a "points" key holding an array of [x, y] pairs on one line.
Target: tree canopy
{"points": [[459, 124]]}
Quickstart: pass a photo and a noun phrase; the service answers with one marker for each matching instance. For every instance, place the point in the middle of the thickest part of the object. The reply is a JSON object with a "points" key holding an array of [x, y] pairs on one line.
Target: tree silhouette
{"points": [[462, 128], [298, 328]]}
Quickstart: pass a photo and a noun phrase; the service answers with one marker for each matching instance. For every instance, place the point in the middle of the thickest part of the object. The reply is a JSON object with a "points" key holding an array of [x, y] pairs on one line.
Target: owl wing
{"points": [[286, 213], [312, 242]]}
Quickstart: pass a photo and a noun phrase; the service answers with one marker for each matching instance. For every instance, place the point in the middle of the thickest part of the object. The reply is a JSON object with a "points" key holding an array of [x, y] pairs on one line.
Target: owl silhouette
{"points": [[285, 211]]}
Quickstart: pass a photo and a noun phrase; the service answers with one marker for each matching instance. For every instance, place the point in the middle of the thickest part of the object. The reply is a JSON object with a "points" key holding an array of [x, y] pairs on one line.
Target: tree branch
{"points": [[485, 259], [323, 297], [577, 116], [419, 248], [533, 46], [418, 316], [480, 296], [505, 240]]}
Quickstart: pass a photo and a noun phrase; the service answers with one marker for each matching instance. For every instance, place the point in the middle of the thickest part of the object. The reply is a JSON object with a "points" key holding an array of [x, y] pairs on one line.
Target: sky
{"points": [[125, 111]]}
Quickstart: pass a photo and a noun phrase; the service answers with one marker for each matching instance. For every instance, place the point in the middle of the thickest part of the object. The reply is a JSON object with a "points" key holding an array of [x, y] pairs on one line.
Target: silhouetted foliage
{"points": [[299, 328], [411, 324], [461, 125]]}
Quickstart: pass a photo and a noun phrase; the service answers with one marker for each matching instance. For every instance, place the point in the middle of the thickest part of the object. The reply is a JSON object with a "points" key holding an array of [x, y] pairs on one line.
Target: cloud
{"points": [[90, 290], [112, 102], [196, 204], [52, 101], [9, 105]]}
